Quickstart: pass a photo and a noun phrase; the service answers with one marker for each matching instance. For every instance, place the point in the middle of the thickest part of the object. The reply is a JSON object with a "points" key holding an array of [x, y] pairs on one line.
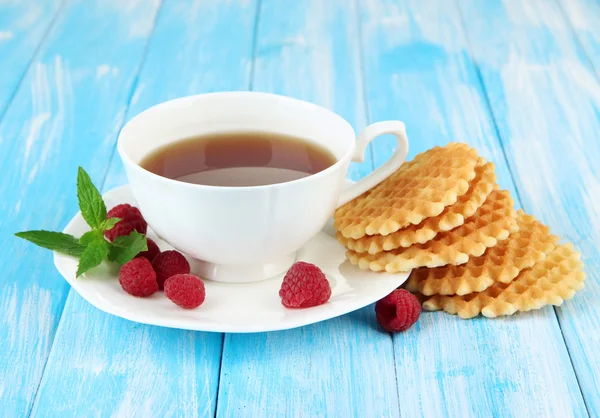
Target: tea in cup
{"points": [[241, 180]]}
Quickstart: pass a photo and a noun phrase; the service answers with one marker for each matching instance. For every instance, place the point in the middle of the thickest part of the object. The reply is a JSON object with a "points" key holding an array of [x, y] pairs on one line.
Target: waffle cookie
{"points": [[501, 263], [548, 282], [419, 189], [494, 221], [452, 216]]}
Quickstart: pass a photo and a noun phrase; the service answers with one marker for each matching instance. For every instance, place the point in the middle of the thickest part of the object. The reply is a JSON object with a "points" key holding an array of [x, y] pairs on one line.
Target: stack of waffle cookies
{"points": [[443, 217]]}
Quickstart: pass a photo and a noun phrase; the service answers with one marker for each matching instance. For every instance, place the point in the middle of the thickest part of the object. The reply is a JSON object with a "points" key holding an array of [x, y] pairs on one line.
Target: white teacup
{"points": [[244, 234]]}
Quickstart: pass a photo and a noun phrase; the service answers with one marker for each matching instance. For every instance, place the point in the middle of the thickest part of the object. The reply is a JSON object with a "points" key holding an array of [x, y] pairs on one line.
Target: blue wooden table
{"points": [[517, 79]]}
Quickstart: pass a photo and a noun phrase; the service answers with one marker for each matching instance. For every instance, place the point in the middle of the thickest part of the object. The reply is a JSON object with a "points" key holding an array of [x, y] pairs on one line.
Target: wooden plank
{"points": [[418, 69], [584, 19], [22, 29], [546, 102], [341, 367], [118, 368], [73, 94]]}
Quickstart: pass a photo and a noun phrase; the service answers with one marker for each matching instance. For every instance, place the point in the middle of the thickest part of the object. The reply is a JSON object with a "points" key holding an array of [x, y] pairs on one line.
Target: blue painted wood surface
{"points": [[518, 80], [65, 113], [23, 26]]}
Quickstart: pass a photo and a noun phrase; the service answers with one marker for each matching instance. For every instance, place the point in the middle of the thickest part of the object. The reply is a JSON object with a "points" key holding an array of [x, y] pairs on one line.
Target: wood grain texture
{"points": [[22, 29], [418, 70], [341, 367], [102, 365], [583, 17], [546, 102], [58, 120]]}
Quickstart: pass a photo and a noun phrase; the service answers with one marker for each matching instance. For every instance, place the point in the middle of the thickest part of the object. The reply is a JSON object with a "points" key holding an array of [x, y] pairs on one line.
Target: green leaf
{"points": [[90, 236], [108, 224], [91, 205], [125, 248], [55, 241], [93, 255]]}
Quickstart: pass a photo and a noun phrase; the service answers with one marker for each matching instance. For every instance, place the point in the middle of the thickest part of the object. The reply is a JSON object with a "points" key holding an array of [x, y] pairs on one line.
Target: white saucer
{"points": [[250, 307]]}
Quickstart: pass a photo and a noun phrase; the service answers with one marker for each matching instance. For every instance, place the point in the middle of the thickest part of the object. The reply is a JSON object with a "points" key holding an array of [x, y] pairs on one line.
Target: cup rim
{"points": [[127, 160]]}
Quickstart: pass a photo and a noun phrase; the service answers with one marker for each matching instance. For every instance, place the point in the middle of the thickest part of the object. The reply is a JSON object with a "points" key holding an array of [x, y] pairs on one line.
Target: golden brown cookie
{"points": [[452, 216], [419, 189], [494, 221], [501, 263], [549, 282]]}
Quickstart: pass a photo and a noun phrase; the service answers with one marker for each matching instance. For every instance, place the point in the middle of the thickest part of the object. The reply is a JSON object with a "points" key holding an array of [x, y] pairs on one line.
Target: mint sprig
{"points": [[91, 248], [125, 248], [109, 224], [93, 255], [55, 241], [91, 205]]}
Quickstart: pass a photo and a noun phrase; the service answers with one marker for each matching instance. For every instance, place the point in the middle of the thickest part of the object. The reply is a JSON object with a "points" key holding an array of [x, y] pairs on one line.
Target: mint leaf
{"points": [[93, 255], [108, 224], [55, 241], [91, 205], [89, 236], [125, 248], [127, 240]]}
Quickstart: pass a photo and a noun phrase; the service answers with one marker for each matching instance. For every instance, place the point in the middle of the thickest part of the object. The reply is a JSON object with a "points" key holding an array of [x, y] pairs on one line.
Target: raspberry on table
{"points": [[304, 285], [131, 219], [185, 290], [137, 277], [151, 252], [398, 311], [169, 263]]}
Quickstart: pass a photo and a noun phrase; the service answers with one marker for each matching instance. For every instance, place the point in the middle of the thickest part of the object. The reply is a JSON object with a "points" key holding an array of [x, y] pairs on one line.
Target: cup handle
{"points": [[371, 132]]}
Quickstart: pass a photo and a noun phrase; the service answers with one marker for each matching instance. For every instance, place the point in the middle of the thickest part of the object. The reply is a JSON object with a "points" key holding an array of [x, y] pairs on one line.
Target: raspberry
{"points": [[131, 219], [304, 285], [398, 311], [185, 290], [138, 278], [169, 263], [151, 252]]}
